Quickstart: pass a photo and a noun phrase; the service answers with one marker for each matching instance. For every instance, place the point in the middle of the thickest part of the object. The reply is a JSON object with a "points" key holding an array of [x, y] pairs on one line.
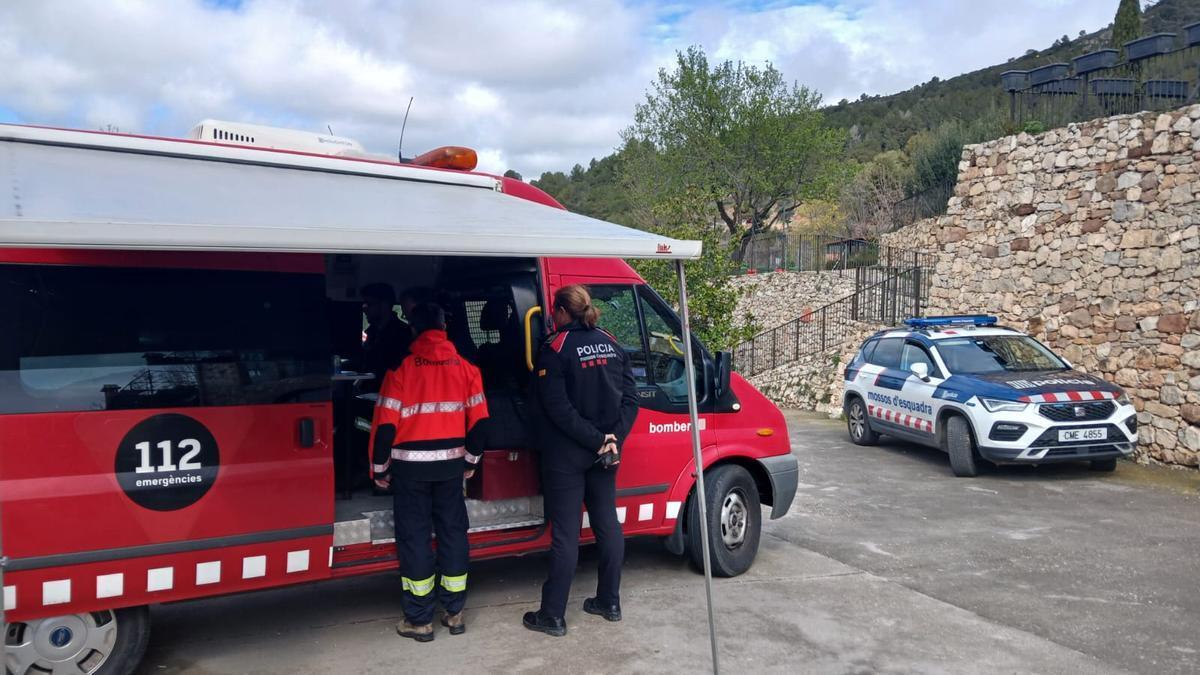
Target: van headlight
{"points": [[1123, 399], [998, 405]]}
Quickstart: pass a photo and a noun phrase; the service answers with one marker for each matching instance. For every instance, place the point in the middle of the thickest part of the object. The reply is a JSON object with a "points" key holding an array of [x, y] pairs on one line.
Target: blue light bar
{"points": [[959, 320]]}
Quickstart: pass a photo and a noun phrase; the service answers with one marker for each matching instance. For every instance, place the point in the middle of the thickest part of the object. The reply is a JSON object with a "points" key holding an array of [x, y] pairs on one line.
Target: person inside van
{"points": [[413, 296], [388, 336]]}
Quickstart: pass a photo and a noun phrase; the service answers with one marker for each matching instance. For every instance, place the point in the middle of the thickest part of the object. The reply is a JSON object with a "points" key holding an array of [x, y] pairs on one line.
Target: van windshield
{"points": [[997, 353]]}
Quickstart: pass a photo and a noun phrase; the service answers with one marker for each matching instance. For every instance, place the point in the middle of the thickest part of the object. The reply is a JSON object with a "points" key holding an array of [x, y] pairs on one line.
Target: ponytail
{"points": [[577, 302]]}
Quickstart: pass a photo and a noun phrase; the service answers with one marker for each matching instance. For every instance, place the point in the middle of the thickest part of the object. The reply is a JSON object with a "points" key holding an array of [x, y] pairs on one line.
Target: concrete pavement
{"points": [[885, 564]]}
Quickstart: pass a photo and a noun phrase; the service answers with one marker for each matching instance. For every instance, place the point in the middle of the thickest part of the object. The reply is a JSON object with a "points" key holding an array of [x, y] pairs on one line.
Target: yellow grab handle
{"points": [[529, 336], [671, 340]]}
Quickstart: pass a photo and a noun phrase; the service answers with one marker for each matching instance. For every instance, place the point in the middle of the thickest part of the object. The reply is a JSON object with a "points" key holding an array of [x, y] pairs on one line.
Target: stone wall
{"points": [[775, 298], [813, 382], [1087, 237]]}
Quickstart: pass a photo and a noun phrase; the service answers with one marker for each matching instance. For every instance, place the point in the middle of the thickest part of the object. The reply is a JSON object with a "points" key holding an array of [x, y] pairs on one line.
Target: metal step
{"points": [[378, 527]]}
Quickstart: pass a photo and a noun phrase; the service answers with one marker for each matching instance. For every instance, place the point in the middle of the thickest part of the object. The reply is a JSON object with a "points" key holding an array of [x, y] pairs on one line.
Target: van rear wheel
{"points": [[734, 521], [107, 642]]}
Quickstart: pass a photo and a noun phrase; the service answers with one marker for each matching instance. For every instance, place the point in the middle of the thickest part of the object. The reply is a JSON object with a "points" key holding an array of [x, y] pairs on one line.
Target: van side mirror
{"points": [[921, 370], [724, 368]]}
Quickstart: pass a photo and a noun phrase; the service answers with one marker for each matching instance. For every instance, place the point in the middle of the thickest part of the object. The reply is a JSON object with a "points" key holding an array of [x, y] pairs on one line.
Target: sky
{"points": [[532, 85]]}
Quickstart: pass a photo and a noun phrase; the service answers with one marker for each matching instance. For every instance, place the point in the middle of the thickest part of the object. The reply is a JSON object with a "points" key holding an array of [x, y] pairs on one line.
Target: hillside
{"points": [[881, 123]]}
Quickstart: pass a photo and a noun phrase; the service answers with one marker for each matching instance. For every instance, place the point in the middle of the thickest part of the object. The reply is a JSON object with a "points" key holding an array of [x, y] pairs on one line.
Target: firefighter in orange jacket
{"points": [[426, 438]]}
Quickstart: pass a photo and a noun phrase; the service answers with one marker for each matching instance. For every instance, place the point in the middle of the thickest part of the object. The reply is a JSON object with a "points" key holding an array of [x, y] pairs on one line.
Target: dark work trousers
{"points": [[565, 495], [422, 507]]}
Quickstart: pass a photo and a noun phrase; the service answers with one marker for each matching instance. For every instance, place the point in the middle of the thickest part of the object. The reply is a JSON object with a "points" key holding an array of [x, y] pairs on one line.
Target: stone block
{"points": [[1170, 395], [1159, 410], [1124, 211], [1190, 412], [1172, 323], [1080, 318], [1190, 437], [949, 235]]}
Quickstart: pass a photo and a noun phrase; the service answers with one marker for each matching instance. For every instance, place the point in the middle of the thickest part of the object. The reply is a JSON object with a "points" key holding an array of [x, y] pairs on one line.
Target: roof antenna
{"points": [[400, 150], [330, 128]]}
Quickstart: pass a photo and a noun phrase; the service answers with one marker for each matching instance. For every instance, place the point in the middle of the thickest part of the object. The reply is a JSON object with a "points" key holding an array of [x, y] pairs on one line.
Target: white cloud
{"points": [[531, 84]]}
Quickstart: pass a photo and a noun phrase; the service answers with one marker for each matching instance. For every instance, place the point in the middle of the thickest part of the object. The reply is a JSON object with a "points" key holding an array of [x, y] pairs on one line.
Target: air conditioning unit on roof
{"points": [[238, 133]]}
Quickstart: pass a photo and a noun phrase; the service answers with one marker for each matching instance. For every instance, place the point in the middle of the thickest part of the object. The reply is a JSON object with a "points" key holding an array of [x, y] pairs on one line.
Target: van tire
{"points": [[858, 423], [960, 445], [1105, 465], [734, 521], [129, 645]]}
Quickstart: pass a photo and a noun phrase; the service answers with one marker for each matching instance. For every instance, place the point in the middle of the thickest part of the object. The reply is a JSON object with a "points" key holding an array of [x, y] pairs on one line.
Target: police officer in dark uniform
{"points": [[587, 401]]}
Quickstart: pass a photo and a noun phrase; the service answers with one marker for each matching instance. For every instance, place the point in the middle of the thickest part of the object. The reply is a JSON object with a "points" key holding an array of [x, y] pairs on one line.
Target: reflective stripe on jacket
{"points": [[426, 410]]}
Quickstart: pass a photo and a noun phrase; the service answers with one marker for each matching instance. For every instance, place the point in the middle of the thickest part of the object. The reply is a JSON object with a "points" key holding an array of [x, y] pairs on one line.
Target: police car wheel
{"points": [[1105, 465], [961, 447], [858, 424], [734, 521], [97, 643]]}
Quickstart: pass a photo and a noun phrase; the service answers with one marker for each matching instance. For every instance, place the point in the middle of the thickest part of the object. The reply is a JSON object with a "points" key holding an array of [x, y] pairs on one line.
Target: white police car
{"points": [[977, 390]]}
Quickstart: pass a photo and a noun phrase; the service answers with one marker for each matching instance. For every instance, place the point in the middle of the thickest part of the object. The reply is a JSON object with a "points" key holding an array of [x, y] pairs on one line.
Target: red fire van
{"points": [[176, 415]]}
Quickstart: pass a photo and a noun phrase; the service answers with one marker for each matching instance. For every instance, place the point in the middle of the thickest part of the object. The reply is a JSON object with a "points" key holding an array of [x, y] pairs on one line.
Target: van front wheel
{"points": [[104, 643], [734, 521]]}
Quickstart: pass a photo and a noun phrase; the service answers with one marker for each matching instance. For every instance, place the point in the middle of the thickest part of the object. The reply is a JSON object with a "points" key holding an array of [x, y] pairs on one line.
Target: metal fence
{"points": [[884, 296], [1154, 76], [770, 251], [925, 204]]}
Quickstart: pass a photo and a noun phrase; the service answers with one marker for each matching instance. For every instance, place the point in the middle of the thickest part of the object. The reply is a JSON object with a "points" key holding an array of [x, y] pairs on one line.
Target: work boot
{"points": [[593, 606], [422, 633], [455, 623], [550, 625]]}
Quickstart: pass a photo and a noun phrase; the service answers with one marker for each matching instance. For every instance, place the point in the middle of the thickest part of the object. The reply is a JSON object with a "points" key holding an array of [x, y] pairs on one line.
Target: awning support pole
{"points": [[3, 623], [701, 501]]}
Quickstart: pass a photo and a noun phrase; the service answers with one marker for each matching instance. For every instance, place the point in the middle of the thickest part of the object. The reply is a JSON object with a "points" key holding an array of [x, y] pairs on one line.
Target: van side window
{"points": [[666, 355], [619, 316], [649, 332], [106, 338], [887, 353]]}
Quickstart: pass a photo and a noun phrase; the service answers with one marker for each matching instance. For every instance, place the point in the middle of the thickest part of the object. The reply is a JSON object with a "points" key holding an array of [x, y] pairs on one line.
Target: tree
{"points": [[1128, 23], [869, 200], [512, 174], [750, 143], [712, 296]]}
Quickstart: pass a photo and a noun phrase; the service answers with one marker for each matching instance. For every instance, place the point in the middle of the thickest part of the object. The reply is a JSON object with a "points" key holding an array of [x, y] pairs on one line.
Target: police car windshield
{"points": [[996, 353]]}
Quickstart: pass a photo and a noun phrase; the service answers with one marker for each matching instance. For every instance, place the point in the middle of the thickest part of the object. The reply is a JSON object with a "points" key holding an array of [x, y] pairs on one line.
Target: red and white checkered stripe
{"points": [[1068, 396], [646, 511], [903, 419], [166, 578]]}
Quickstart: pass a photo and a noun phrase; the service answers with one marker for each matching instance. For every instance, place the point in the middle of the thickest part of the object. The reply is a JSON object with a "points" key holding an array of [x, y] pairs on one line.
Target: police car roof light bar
{"points": [[956, 320]]}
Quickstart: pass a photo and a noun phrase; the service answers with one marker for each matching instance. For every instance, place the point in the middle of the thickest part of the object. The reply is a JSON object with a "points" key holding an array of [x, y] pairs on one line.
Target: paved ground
{"points": [[886, 564]]}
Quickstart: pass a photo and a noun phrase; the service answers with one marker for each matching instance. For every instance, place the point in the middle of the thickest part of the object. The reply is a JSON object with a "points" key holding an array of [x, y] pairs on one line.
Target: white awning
{"points": [[78, 189]]}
